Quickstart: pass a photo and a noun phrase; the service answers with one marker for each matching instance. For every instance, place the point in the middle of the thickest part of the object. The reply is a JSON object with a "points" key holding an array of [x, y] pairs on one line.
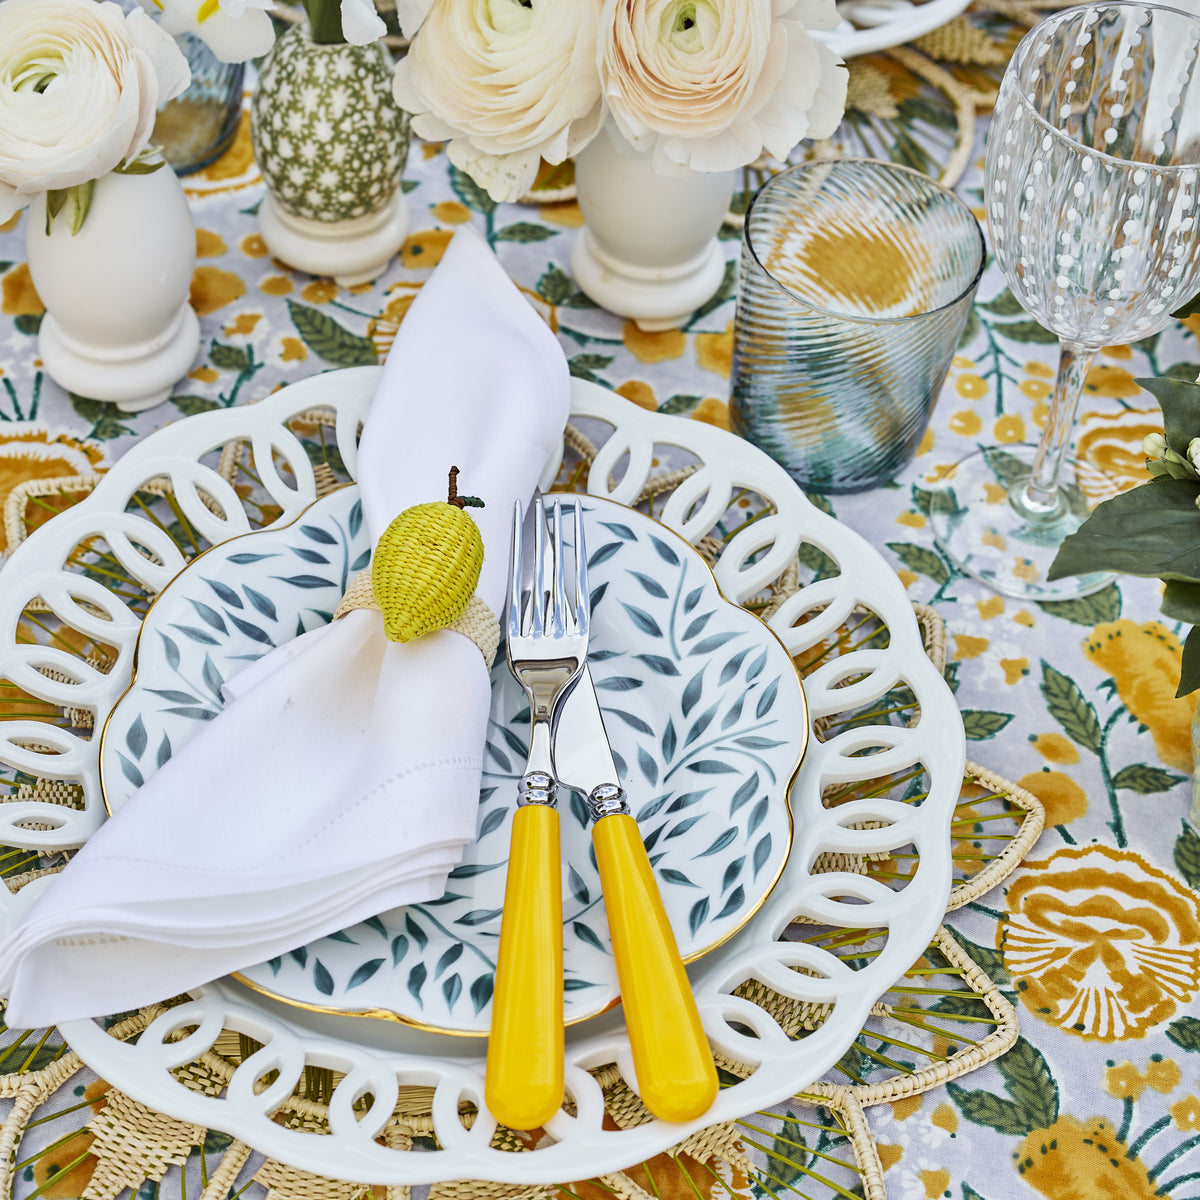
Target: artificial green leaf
{"points": [[470, 193], [922, 560], [679, 404], [1187, 855], [1190, 309], [1097, 609], [1004, 305], [1145, 779], [524, 231], [1180, 404], [1181, 601], [723, 293], [139, 166], [55, 199], [80, 197], [970, 329], [996, 1112], [1026, 331], [191, 405], [1185, 1033], [1029, 1082], [979, 724], [1152, 530], [230, 358], [1189, 670], [331, 341], [1070, 709]]}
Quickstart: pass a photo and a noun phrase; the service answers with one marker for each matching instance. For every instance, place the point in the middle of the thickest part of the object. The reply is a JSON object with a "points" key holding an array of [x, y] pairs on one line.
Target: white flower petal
{"points": [[411, 14], [361, 23]]}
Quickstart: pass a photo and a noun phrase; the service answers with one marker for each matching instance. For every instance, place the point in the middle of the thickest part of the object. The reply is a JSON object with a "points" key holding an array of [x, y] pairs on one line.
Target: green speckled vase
{"points": [[331, 143]]}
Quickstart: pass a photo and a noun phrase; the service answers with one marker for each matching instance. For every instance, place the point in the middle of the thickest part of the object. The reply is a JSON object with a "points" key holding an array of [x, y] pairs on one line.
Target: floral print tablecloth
{"points": [[1097, 936]]}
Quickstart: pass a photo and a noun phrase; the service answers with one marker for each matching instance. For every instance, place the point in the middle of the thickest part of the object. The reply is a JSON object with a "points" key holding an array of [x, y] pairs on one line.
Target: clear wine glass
{"points": [[1092, 192]]}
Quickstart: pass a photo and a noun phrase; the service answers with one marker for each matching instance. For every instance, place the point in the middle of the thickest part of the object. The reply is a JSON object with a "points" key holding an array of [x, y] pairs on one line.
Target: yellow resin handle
{"points": [[675, 1071], [524, 1085]]}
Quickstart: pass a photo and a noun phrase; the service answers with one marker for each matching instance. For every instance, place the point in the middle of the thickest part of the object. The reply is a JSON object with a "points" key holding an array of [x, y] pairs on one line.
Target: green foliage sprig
{"points": [[1154, 530]]}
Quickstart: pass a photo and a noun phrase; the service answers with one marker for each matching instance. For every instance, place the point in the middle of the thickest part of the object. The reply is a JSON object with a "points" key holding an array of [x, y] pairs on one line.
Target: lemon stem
{"points": [[457, 500]]}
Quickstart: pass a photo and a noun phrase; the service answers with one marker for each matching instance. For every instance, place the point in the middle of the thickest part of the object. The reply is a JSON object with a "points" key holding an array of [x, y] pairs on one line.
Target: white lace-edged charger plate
{"points": [[868, 26], [381, 1057], [704, 708]]}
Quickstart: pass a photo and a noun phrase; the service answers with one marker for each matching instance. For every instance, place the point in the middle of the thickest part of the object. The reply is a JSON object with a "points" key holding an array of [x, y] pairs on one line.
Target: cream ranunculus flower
{"points": [[506, 83], [234, 30], [79, 85], [708, 85]]}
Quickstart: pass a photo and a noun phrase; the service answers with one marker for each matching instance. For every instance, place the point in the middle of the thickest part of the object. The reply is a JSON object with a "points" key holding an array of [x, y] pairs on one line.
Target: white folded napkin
{"points": [[343, 778]]}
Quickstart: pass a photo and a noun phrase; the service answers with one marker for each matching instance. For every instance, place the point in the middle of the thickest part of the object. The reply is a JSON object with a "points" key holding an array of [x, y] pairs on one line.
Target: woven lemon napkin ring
{"points": [[423, 575], [478, 623]]}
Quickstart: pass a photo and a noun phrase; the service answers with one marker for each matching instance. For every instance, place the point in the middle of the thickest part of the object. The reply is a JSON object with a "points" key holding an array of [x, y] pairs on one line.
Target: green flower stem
{"points": [[325, 19], [997, 372], [1126, 1120], [1117, 824], [1179, 1151], [1136, 1147]]}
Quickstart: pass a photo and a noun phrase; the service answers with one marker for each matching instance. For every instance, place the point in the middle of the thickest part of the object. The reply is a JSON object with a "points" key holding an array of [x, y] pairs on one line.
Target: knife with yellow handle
{"points": [[675, 1074]]}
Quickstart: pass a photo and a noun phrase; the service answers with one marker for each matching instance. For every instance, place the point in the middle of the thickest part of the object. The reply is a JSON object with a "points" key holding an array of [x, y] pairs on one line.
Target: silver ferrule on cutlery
{"points": [[607, 800]]}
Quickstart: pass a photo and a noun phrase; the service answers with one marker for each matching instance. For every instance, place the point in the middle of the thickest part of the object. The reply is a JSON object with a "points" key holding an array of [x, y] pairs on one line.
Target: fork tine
{"points": [[582, 596], [514, 585], [537, 626], [560, 591]]}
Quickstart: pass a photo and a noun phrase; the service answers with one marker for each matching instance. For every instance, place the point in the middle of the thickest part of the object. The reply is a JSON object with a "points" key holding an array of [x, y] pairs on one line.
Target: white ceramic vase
{"points": [[648, 248], [118, 326]]}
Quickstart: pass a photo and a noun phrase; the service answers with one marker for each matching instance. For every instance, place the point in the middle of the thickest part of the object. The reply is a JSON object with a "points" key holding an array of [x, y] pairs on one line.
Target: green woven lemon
{"points": [[426, 566]]}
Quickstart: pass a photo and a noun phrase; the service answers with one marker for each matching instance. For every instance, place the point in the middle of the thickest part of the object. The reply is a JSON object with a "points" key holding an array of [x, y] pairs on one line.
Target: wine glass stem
{"points": [[1040, 499]]}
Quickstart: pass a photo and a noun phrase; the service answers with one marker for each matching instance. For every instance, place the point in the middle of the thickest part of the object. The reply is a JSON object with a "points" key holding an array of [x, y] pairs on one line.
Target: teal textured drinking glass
{"points": [[198, 126], [856, 281]]}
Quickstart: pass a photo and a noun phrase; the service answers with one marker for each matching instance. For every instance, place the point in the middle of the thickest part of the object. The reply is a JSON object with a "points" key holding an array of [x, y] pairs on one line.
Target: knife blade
{"points": [[675, 1074]]}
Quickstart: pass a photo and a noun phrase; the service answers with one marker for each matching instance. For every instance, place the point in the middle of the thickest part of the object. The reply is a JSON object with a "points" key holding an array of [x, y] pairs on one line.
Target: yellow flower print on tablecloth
{"points": [[37, 453], [1144, 662], [1100, 943], [1109, 450], [1186, 1114], [1078, 1160]]}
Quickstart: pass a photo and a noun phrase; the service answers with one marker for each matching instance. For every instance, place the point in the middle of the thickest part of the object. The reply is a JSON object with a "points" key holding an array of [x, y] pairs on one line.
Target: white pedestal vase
{"points": [[648, 248], [331, 143], [118, 326]]}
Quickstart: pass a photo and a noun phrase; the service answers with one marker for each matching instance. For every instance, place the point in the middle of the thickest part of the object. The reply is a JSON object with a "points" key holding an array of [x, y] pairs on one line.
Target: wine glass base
{"points": [[987, 537]]}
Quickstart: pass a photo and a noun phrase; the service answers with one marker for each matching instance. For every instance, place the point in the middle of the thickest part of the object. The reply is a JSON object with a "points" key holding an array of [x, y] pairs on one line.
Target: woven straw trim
{"points": [[848, 1107], [478, 623], [1004, 864], [18, 500], [933, 634], [965, 101]]}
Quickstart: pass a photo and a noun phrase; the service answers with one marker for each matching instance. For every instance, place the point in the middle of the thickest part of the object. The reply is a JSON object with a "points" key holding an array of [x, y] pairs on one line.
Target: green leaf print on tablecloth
{"points": [[331, 341]]}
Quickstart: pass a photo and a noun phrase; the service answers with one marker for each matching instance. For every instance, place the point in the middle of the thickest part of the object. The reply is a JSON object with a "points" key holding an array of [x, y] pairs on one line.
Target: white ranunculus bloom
{"points": [[708, 85], [507, 83], [79, 85], [234, 30]]}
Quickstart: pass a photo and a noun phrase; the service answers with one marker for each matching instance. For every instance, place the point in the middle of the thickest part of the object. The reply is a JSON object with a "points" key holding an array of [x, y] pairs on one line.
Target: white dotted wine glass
{"points": [[1092, 193]]}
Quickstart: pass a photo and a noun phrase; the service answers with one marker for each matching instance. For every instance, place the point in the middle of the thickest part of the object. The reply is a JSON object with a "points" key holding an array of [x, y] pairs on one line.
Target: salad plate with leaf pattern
{"points": [[702, 703]]}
